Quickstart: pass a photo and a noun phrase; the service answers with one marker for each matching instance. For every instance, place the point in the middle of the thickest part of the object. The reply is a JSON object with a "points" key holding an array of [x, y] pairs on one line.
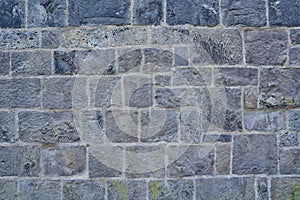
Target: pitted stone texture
{"points": [[31, 63], [190, 124], [289, 162], [65, 63], [84, 38], [147, 12], [181, 56], [14, 39], [12, 13], [284, 13], [7, 127], [217, 138], [222, 165], [169, 36], [250, 97], [4, 63], [192, 76], [245, 13], [20, 93], [208, 46], [47, 127], [295, 36], [285, 188], [159, 125], [64, 161], [254, 154], [225, 188], [236, 76], [262, 188], [294, 58], [162, 80], [264, 121], [50, 39], [92, 126], [128, 36], [57, 93], [129, 60], [20, 161], [287, 139], [171, 189], [104, 12], [8, 189], [199, 12], [279, 88], [40, 189], [101, 163], [266, 47], [294, 120], [44, 13], [129, 189], [185, 161], [145, 161], [83, 189], [157, 60]]}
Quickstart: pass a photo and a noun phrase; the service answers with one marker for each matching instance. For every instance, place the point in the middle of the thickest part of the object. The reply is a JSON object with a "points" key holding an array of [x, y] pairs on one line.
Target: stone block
{"points": [[92, 126], [289, 161], [295, 36], [236, 76], [217, 138], [129, 189], [250, 97], [285, 188], [7, 127], [8, 189], [190, 124], [162, 80], [262, 188], [40, 189], [147, 12], [4, 63], [287, 139], [65, 63], [169, 36], [284, 13], [181, 56], [128, 36], [50, 38], [294, 56], [294, 120], [14, 39], [12, 13], [157, 60], [192, 76], [129, 60], [222, 165]]}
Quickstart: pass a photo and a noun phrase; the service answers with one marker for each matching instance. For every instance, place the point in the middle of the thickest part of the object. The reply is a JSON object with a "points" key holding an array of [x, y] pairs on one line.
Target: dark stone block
{"points": [[284, 13], [40, 189], [295, 36], [130, 60], [262, 188], [294, 56], [287, 139], [236, 76], [289, 161], [192, 76], [157, 60], [162, 80], [130, 189], [181, 56], [147, 12], [222, 165], [128, 36], [4, 63], [65, 63], [294, 120], [12, 13], [7, 126], [217, 138], [50, 39]]}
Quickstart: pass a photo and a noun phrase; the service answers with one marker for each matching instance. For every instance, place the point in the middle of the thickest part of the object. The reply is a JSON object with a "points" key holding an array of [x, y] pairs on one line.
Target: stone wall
{"points": [[149, 99]]}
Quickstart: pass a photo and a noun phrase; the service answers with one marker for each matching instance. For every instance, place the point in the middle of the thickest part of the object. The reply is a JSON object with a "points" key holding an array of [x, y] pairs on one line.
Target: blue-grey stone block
{"points": [[12, 13], [147, 12], [4, 63], [40, 189], [129, 189], [285, 188], [7, 126], [50, 39], [8, 189], [294, 120], [14, 39]]}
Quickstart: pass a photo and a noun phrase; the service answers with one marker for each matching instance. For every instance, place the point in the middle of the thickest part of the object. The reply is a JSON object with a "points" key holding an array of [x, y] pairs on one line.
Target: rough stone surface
{"points": [[266, 47], [65, 63], [92, 126], [7, 126], [50, 39], [285, 188], [157, 60], [12, 13], [222, 165], [295, 36], [128, 36], [289, 162], [162, 80], [192, 76], [254, 154], [262, 188], [181, 56], [13, 39], [169, 36], [130, 60], [40, 189], [127, 189], [250, 97], [294, 120], [8, 189], [4, 63], [294, 58], [190, 124], [217, 138], [236, 76], [147, 12], [288, 139]]}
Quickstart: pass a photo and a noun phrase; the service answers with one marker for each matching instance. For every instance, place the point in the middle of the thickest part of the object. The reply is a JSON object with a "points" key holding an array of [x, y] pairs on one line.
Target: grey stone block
{"points": [[245, 13], [12, 13], [190, 124], [225, 188], [128, 36], [222, 165], [169, 36], [209, 46], [192, 76], [159, 125], [65, 63], [171, 189], [50, 39], [264, 121], [262, 188], [130, 189], [4, 63], [294, 58], [279, 88], [266, 47], [31, 63], [7, 126], [287, 138], [92, 126], [83, 189], [47, 127], [14, 39], [162, 80], [44, 13], [20, 93], [130, 60], [40, 189], [64, 161], [217, 138], [147, 12], [285, 188], [8, 189], [236, 76], [101, 163], [200, 12], [289, 161], [80, 93], [294, 120], [250, 97], [181, 56], [185, 161], [254, 154], [58, 92], [111, 12], [20, 161], [157, 60], [295, 36], [284, 13]]}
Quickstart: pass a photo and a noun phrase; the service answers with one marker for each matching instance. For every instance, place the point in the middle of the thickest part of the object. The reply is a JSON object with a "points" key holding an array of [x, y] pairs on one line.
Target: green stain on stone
{"points": [[155, 190]]}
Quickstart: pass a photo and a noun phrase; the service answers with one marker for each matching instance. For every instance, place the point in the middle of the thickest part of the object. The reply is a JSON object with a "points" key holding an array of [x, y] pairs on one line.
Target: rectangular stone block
{"points": [[171, 189], [20, 93], [147, 12], [294, 58], [43, 13], [128, 36], [157, 60], [295, 36], [83, 189], [254, 154], [250, 97], [225, 188], [104, 12], [14, 39], [8, 189], [51, 38], [181, 57], [284, 13], [92, 126], [200, 12], [190, 124], [162, 80], [169, 36], [4, 63], [192, 76], [236, 76], [217, 138], [264, 121], [193, 160], [222, 165], [266, 47], [245, 13], [129, 60], [262, 188], [7, 127], [40, 189], [285, 188], [279, 88], [66, 63], [31, 63], [294, 120], [129, 189], [287, 139], [47, 127], [64, 161], [20, 161], [12, 13], [208, 46], [289, 161]]}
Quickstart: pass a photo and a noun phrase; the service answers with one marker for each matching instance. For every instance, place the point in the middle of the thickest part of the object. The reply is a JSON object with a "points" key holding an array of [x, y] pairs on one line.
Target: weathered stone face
{"points": [[134, 189], [8, 189], [7, 128], [284, 13], [148, 12], [12, 13], [36, 189], [14, 39], [285, 188]]}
